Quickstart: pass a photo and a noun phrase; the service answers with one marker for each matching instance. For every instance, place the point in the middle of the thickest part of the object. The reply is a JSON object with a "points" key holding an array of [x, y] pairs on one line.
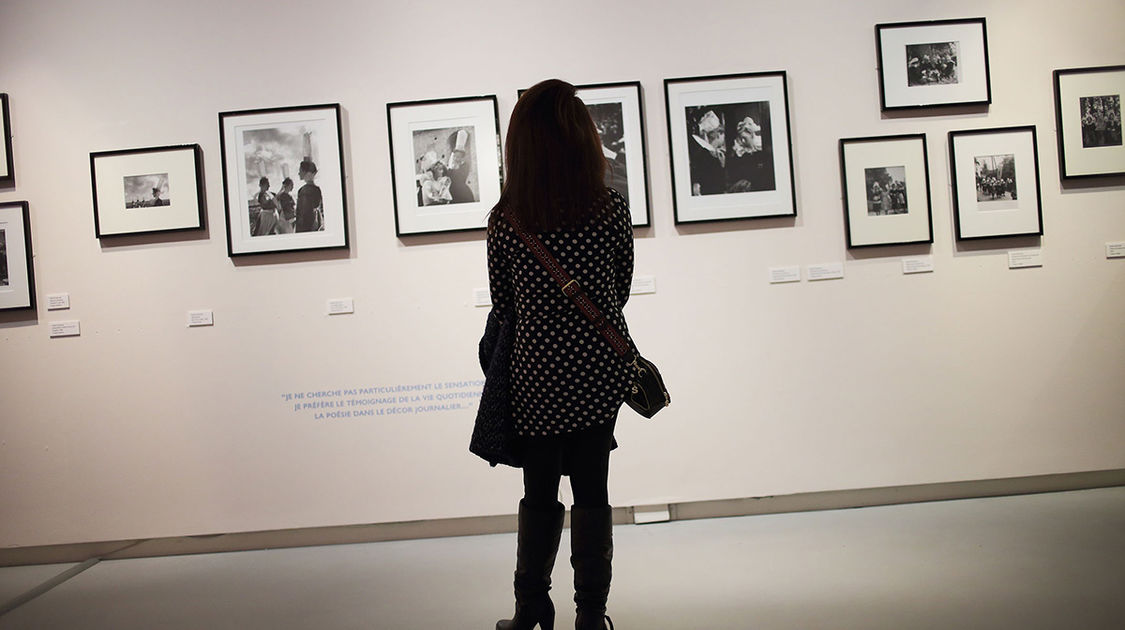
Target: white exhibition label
{"points": [[1025, 258], [69, 328], [643, 284], [921, 264], [341, 306], [58, 301], [481, 297], [779, 275], [1115, 250], [826, 271], [200, 318]]}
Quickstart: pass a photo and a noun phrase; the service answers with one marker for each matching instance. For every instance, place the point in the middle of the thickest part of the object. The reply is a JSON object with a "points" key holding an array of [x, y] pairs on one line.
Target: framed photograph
{"points": [[932, 64], [283, 179], [731, 147], [445, 163], [1088, 115], [142, 191], [886, 184], [995, 176], [7, 169], [17, 276]]}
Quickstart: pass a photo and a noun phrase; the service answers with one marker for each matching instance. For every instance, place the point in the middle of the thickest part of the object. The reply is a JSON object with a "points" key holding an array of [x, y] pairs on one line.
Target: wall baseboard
{"points": [[472, 526]]}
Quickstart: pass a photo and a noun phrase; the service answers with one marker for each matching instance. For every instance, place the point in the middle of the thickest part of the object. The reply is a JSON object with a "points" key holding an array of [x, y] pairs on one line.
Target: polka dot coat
{"points": [[565, 375]]}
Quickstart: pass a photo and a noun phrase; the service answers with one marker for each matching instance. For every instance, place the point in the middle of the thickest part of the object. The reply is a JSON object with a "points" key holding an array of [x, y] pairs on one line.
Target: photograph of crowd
{"points": [[996, 177], [147, 191], [3, 258], [886, 190], [730, 148], [1101, 120], [609, 120], [273, 156], [445, 166], [932, 64]]}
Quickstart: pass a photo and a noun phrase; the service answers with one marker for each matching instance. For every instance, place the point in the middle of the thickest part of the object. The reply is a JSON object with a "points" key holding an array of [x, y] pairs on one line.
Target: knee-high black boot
{"points": [[591, 543], [536, 545]]}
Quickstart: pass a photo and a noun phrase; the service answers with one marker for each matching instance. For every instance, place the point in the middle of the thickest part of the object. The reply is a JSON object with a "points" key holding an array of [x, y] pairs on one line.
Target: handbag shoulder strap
{"points": [[573, 290]]}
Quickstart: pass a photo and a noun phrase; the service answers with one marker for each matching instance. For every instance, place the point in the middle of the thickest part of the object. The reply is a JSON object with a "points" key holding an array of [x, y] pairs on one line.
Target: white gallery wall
{"points": [[143, 427]]}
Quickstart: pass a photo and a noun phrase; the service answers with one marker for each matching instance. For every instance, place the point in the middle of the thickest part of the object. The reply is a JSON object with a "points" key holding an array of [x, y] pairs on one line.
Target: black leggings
{"points": [[584, 455]]}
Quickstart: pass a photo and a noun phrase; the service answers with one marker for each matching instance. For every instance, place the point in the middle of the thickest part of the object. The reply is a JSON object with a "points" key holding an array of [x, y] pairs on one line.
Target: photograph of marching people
{"points": [[932, 64], [1088, 119], [17, 277], [609, 120], [886, 190], [1101, 120], [995, 178], [147, 190], [616, 111], [283, 179], [886, 186], [446, 171], [731, 146], [445, 163]]}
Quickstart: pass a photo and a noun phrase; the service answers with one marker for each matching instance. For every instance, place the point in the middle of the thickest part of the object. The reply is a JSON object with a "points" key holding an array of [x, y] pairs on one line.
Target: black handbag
{"points": [[494, 436], [648, 394]]}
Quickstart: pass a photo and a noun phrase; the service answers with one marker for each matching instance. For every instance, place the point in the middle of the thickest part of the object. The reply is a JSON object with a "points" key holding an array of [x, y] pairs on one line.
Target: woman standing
{"points": [[567, 383]]}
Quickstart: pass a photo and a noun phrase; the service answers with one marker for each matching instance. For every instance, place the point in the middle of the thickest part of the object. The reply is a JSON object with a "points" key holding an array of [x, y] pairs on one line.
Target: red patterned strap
{"points": [[574, 291]]}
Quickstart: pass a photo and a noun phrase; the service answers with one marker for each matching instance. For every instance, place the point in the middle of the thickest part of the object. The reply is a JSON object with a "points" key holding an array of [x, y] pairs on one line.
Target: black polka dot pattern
{"points": [[565, 375]]}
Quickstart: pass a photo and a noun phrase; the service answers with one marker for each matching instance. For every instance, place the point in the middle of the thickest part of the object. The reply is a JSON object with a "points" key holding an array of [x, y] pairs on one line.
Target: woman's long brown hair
{"points": [[555, 165]]}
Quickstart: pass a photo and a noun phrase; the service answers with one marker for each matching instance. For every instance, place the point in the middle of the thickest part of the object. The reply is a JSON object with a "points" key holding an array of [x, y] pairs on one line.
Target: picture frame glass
{"points": [[933, 64], [146, 190], [887, 192], [616, 112], [996, 183], [284, 180], [731, 152], [1089, 109], [17, 286], [445, 163]]}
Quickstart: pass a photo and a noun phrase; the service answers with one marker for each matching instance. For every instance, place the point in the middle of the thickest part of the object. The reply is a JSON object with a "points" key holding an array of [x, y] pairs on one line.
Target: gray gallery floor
{"points": [[1027, 562]]}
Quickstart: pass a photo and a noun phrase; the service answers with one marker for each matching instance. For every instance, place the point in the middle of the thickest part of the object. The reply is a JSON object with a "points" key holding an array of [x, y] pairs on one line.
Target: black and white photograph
{"points": [[731, 148], [445, 163], [17, 277], [283, 179], [933, 64], [1088, 119], [7, 171], [1101, 120], [446, 166], [995, 179], [617, 113], [147, 190], [886, 190], [281, 172]]}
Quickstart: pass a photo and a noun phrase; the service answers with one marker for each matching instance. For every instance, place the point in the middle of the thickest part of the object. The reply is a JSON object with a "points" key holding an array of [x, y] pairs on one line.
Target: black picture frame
{"points": [[889, 210], [994, 207], [319, 218], [958, 75], [7, 162], [423, 133], [17, 269], [630, 177], [707, 188], [127, 175], [1085, 151]]}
